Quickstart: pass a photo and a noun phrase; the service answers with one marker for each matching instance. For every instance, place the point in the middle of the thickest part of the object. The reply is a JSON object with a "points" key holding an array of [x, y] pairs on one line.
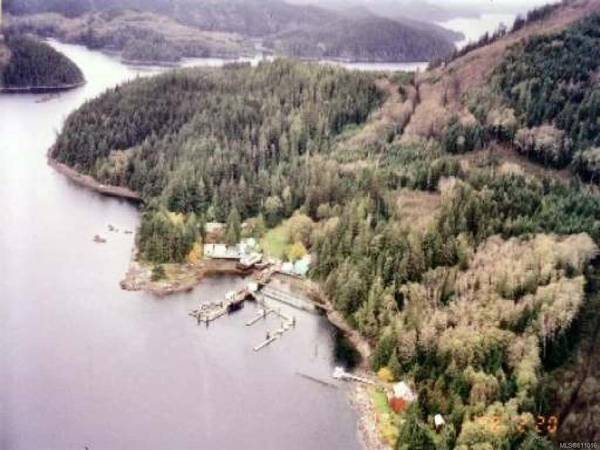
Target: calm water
{"points": [[381, 67], [84, 364]]}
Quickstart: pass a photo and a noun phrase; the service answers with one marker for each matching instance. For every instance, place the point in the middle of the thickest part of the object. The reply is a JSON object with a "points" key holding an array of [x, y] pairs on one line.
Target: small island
{"points": [[29, 65]]}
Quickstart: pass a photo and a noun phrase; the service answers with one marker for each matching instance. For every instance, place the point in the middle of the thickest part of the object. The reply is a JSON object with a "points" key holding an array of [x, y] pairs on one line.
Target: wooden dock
{"points": [[272, 338], [317, 380], [210, 312], [234, 301], [262, 314], [340, 374]]}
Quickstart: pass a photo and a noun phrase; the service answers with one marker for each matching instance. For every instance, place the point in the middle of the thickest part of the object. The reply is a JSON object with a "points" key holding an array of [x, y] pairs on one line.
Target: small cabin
{"points": [[439, 423], [297, 269], [403, 391]]}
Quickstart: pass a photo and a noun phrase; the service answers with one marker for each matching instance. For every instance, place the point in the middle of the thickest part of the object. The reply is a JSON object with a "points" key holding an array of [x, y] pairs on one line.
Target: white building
{"points": [[220, 251], [439, 422], [403, 391]]}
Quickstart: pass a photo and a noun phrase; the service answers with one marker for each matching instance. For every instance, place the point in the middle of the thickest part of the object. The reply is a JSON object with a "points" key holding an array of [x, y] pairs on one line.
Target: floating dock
{"points": [[272, 338], [209, 312], [234, 301], [262, 314]]}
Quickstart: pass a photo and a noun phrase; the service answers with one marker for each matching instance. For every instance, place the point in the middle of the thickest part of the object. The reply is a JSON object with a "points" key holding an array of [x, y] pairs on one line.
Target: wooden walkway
{"points": [[340, 374], [287, 324], [287, 298], [276, 335]]}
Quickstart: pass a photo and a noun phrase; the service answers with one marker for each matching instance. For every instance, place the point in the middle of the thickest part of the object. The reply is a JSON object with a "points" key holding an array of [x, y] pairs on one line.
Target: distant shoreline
{"points": [[91, 183], [41, 89]]}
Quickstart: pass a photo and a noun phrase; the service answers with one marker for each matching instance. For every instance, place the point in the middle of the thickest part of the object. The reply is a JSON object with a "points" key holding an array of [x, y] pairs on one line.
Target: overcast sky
{"points": [[511, 6], [514, 6]]}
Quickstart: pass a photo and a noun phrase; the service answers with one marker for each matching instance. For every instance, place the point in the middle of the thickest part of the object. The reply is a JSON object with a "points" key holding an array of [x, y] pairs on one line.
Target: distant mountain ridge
{"points": [[307, 31], [374, 39]]}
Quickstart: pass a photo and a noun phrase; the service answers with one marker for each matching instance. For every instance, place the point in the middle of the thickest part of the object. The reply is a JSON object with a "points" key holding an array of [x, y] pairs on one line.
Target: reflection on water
{"points": [[85, 364]]}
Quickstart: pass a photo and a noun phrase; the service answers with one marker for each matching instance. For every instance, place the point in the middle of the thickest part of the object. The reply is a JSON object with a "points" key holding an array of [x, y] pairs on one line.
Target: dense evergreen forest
{"points": [[472, 280], [371, 39], [207, 141], [36, 64], [552, 81]]}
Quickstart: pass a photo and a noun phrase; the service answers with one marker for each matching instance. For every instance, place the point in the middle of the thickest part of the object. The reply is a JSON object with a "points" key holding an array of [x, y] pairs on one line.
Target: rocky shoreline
{"points": [[91, 183], [40, 89], [182, 277], [361, 402]]}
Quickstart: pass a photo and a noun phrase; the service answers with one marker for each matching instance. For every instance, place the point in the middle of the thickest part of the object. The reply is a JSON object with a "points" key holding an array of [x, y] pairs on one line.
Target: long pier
{"points": [[340, 374], [317, 380]]}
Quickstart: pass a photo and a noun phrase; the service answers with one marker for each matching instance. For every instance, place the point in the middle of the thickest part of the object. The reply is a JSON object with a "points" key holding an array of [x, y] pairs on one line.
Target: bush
{"points": [[158, 273], [385, 375]]}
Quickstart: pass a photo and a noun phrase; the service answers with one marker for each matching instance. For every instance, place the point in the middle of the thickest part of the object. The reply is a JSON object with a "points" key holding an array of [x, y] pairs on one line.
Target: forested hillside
{"points": [[141, 36], [471, 271], [208, 141], [553, 83], [371, 39], [170, 30], [33, 64]]}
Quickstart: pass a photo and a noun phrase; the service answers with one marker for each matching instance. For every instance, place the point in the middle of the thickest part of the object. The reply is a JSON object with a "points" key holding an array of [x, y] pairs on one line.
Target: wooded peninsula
{"points": [[27, 64]]}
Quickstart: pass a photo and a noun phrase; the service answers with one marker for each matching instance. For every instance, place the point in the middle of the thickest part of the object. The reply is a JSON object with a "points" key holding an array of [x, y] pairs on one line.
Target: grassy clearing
{"points": [[387, 420], [275, 242], [380, 401]]}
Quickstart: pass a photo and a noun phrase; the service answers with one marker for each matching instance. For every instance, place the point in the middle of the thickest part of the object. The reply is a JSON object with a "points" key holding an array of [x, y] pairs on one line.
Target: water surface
{"points": [[85, 364]]}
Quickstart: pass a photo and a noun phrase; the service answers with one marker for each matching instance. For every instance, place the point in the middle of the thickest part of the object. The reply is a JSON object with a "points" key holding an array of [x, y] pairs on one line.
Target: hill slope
{"points": [[211, 27], [364, 39]]}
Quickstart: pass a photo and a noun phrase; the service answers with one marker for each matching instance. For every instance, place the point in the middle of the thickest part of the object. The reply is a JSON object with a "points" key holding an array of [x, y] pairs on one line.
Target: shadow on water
{"points": [[344, 352]]}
